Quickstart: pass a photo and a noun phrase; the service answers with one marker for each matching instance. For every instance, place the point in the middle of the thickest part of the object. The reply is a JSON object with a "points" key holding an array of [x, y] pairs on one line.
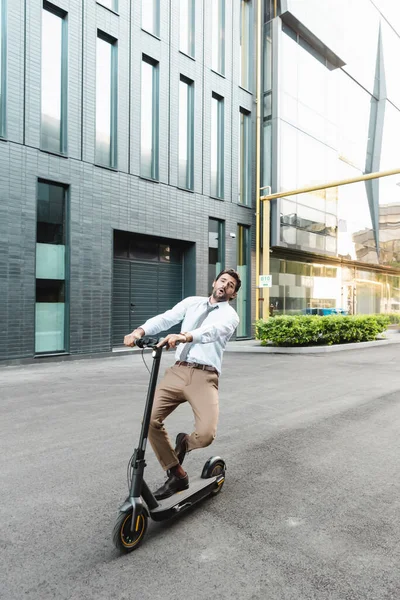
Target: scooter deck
{"points": [[198, 489]]}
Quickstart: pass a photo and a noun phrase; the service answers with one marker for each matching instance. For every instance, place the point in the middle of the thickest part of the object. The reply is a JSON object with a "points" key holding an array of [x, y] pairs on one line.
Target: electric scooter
{"points": [[131, 524]]}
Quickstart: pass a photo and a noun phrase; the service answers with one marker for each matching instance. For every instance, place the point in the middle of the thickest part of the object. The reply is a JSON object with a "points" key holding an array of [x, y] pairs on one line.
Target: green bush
{"points": [[315, 330], [394, 318]]}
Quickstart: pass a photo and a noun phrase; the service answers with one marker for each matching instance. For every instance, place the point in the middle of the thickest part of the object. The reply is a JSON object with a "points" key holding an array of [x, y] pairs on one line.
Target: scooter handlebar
{"points": [[147, 342]]}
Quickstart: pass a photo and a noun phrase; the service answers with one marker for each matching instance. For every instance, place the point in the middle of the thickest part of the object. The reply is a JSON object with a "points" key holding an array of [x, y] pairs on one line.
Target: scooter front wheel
{"points": [[125, 539]]}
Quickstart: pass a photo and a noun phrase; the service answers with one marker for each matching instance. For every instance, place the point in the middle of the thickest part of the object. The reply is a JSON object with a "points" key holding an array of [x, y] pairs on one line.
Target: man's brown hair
{"points": [[233, 274]]}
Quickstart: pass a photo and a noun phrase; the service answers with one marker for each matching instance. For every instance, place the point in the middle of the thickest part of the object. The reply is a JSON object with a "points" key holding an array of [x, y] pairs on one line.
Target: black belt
{"points": [[197, 366]]}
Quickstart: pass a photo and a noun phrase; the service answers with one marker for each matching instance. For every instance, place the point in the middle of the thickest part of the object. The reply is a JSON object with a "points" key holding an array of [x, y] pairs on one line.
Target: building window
{"points": [[151, 16], [186, 27], [217, 146], [186, 132], [51, 269], [245, 37], [149, 119], [111, 4], [218, 35], [243, 268], [216, 250], [3, 63], [244, 157], [54, 79], [106, 101]]}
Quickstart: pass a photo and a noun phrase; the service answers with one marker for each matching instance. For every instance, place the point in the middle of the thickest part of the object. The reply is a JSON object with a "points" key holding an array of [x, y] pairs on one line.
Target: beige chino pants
{"points": [[184, 384]]}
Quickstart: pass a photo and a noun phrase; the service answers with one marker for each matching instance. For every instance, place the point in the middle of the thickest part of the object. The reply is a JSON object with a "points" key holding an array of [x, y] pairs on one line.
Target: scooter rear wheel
{"points": [[124, 539], [218, 468]]}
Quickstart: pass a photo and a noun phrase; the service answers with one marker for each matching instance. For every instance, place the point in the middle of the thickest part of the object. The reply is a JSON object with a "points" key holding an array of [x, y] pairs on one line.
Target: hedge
{"points": [[310, 330]]}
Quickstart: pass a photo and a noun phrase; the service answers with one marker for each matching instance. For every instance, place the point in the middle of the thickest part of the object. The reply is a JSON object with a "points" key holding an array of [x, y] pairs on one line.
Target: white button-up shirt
{"points": [[210, 339]]}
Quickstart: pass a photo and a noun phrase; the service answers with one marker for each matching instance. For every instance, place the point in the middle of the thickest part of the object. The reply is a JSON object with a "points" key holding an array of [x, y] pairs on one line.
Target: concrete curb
{"points": [[254, 347]]}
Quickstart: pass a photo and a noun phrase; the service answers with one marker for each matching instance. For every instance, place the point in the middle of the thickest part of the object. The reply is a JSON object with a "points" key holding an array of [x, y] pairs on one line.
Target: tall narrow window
{"points": [[51, 261], [186, 132], [149, 119], [243, 268], [216, 249], [106, 101], [186, 26], [217, 146], [245, 37], [218, 35], [151, 16], [244, 157], [3, 64], [54, 79]]}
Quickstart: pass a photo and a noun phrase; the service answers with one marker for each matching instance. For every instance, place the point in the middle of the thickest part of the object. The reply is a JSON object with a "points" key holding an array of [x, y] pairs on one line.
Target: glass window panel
{"points": [[106, 96], [112, 4], [186, 26], [151, 16], [186, 134], [218, 35], [51, 262], [54, 84], [215, 250], [50, 214], [244, 158], [217, 147], [245, 37], [149, 120], [243, 268]]}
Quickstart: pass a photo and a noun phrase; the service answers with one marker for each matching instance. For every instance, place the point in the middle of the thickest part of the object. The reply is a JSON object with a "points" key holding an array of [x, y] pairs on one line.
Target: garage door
{"points": [[143, 289]]}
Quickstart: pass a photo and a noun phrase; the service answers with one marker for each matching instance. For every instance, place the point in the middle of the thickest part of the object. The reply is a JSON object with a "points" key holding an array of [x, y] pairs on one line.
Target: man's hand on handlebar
{"points": [[130, 340], [172, 340]]}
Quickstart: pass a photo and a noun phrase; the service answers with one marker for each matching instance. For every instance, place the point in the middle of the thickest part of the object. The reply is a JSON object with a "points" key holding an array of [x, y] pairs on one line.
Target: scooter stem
{"points": [[149, 402]]}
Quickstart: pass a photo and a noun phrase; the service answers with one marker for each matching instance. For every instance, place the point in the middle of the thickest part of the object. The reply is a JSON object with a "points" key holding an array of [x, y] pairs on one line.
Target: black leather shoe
{"points": [[181, 446], [171, 486]]}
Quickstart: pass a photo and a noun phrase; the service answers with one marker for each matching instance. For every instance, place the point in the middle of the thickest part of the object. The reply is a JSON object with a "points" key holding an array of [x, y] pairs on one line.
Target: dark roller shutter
{"points": [[121, 301]]}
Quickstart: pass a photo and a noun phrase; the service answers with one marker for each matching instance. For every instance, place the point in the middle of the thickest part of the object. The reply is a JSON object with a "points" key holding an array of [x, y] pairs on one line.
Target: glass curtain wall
{"points": [[312, 288], [54, 79], [51, 269]]}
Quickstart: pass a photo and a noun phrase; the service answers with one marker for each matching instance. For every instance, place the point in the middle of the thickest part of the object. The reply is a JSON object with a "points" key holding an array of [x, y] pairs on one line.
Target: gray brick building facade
{"points": [[101, 200]]}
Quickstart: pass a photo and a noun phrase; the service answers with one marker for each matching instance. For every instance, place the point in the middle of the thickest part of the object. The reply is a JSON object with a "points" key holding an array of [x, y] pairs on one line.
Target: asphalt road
{"points": [[310, 508]]}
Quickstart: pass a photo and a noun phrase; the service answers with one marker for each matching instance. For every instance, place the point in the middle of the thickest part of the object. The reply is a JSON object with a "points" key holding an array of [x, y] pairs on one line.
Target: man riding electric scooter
{"points": [[207, 325]]}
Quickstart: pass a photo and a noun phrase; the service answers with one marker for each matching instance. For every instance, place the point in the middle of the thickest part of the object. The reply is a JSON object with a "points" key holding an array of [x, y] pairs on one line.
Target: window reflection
{"points": [[149, 119], [113, 4], [54, 84], [218, 35], [215, 250], [244, 172], [106, 95], [186, 133], [245, 36], [217, 146]]}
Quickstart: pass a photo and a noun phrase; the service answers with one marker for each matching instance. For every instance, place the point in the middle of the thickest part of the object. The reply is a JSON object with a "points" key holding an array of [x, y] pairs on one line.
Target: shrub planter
{"points": [[316, 331]]}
